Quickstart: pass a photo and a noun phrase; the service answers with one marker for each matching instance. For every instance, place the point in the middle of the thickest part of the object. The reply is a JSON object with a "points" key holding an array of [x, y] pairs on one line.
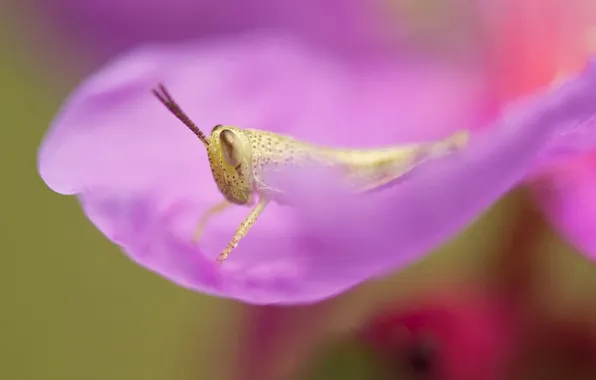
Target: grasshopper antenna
{"points": [[164, 96]]}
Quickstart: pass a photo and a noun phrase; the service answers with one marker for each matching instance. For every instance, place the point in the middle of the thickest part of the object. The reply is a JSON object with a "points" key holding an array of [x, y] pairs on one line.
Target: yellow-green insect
{"points": [[238, 158]]}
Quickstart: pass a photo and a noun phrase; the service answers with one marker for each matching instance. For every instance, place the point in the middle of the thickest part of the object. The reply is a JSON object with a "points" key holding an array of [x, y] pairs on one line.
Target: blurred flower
{"points": [[143, 179], [354, 28], [532, 44], [465, 334], [106, 27], [494, 328], [453, 335]]}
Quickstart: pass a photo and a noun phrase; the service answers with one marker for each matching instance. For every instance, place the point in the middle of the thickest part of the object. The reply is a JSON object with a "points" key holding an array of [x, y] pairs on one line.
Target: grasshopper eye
{"points": [[231, 148]]}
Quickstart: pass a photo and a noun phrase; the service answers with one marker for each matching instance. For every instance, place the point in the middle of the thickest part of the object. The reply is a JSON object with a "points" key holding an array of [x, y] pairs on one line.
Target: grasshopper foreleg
{"points": [[242, 230]]}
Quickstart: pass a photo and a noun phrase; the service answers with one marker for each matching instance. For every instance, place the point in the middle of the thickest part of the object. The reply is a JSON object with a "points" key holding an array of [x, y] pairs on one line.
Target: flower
{"points": [[457, 335], [111, 26], [143, 179], [534, 43], [103, 28]]}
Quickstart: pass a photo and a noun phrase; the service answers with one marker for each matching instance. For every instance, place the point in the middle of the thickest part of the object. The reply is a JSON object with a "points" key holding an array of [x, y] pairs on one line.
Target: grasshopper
{"points": [[238, 158]]}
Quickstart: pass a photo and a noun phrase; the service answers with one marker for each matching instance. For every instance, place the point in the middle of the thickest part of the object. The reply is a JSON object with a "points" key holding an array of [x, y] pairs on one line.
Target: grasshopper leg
{"points": [[213, 210], [242, 230]]}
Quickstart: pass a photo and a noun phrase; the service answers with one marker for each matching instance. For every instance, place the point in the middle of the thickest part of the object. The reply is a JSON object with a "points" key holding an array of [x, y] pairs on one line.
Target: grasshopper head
{"points": [[229, 152], [228, 149]]}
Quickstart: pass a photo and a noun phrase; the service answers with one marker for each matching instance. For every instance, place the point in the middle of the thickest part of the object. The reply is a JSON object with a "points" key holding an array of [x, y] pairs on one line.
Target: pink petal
{"points": [[566, 193], [143, 178]]}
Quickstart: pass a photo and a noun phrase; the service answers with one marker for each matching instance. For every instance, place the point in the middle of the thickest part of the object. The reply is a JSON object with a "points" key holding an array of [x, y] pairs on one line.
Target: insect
{"points": [[238, 159]]}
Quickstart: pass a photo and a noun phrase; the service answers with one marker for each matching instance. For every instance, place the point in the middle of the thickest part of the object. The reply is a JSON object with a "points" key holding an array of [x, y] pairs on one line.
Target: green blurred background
{"points": [[74, 307]]}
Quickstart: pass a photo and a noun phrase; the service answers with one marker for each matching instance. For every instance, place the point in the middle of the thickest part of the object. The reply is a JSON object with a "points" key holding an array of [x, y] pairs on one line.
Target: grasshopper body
{"points": [[239, 159]]}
